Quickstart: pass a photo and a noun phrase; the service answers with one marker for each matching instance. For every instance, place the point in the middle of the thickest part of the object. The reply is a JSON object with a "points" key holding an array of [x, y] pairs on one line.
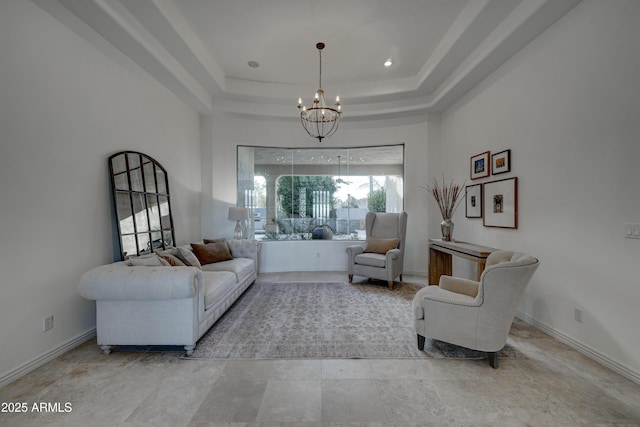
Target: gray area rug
{"points": [[324, 320]]}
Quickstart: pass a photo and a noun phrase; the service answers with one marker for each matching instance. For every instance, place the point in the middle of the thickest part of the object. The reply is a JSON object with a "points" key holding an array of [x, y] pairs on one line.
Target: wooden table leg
{"points": [[439, 263], [480, 269]]}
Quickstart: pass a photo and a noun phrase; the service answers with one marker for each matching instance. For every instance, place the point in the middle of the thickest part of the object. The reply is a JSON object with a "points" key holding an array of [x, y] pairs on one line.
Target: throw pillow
{"points": [[173, 260], [211, 252], [215, 240], [181, 257], [380, 246], [167, 251], [189, 257]]}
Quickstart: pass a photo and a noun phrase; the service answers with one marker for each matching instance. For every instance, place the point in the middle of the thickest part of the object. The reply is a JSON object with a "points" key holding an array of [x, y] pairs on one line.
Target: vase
{"points": [[446, 226], [322, 232]]}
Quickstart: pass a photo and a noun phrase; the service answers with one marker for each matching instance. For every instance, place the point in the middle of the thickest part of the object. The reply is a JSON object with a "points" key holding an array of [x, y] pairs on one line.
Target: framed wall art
{"points": [[501, 203], [480, 165], [501, 162], [473, 207]]}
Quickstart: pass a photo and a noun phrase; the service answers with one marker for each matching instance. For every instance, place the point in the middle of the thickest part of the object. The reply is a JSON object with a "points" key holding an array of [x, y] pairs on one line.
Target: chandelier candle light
{"points": [[448, 199], [320, 120]]}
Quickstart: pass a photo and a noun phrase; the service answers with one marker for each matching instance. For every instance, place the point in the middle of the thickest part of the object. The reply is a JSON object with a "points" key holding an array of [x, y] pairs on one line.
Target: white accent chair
{"points": [[476, 315], [375, 265]]}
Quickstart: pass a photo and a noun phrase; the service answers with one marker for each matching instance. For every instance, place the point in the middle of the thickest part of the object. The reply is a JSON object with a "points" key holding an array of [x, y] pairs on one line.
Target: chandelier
{"points": [[320, 120]]}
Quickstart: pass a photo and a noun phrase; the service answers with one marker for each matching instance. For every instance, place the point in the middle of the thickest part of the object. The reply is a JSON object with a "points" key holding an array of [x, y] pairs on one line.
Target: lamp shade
{"points": [[238, 214]]}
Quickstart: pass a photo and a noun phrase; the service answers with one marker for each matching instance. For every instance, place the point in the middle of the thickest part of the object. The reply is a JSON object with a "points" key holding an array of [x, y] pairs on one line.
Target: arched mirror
{"points": [[140, 189]]}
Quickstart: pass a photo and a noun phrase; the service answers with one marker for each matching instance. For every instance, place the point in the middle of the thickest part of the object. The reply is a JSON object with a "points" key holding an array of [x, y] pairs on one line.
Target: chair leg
{"points": [[391, 284], [493, 359], [421, 341], [401, 277], [351, 278]]}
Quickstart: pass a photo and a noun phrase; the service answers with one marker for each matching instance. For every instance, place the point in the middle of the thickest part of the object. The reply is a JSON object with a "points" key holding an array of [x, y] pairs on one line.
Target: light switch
{"points": [[632, 231]]}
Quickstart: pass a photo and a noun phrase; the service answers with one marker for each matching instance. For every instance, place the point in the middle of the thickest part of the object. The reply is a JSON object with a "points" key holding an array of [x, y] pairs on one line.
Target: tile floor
{"points": [[552, 386]]}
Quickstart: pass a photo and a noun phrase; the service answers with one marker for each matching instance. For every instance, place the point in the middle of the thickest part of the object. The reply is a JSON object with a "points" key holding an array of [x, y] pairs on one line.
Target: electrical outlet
{"points": [[47, 323], [577, 315]]}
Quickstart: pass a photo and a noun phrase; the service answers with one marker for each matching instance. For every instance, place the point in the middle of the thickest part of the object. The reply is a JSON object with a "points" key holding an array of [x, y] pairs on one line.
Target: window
{"points": [[292, 191]]}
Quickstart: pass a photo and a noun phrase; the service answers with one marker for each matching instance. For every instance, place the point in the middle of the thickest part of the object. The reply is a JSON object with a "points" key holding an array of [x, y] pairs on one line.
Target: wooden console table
{"points": [[441, 253]]}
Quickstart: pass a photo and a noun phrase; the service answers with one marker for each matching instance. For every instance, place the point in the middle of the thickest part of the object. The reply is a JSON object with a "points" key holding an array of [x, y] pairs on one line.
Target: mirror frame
{"points": [[140, 190]]}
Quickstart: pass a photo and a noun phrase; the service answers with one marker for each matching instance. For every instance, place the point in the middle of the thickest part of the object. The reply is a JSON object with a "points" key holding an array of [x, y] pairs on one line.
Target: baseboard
{"points": [[421, 273], [582, 348], [45, 357]]}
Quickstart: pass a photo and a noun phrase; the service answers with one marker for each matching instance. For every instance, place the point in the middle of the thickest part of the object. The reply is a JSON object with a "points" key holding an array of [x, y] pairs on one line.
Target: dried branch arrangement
{"points": [[446, 195]]}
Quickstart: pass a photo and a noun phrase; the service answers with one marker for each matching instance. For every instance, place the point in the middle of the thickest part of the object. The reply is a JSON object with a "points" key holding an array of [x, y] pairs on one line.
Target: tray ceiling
{"points": [[200, 49]]}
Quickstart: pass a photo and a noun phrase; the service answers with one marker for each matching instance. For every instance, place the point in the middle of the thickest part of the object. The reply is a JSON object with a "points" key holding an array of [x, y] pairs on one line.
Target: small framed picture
{"points": [[480, 166], [473, 208], [501, 162], [501, 203]]}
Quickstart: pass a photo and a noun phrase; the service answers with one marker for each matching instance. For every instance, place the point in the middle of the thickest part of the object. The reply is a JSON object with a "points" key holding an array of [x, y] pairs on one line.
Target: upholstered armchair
{"points": [[476, 315], [383, 256]]}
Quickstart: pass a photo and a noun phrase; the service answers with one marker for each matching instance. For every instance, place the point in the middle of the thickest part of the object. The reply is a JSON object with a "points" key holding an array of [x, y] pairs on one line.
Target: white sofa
{"points": [[166, 305]]}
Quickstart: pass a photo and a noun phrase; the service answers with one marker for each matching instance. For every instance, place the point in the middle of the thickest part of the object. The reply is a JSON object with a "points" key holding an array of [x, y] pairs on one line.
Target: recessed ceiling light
{"points": [[253, 64], [388, 63]]}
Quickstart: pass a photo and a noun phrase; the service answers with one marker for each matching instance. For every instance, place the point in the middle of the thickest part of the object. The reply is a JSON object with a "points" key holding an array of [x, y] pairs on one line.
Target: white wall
{"points": [[65, 106], [568, 107], [229, 131]]}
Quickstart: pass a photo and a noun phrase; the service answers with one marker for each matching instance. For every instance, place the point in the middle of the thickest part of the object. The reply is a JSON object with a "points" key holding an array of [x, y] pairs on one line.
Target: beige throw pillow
{"points": [[380, 246], [173, 260]]}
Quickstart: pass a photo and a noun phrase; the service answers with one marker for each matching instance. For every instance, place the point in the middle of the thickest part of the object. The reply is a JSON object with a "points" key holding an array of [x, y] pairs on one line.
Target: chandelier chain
{"points": [[320, 78]]}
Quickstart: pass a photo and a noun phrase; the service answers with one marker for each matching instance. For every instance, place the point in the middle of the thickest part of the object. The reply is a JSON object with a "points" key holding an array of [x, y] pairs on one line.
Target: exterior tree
{"points": [[260, 192], [351, 202], [288, 191], [378, 200]]}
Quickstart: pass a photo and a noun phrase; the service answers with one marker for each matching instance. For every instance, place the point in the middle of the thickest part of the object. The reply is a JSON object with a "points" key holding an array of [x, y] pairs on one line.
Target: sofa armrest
{"points": [[355, 250], [459, 285], [431, 294], [352, 251], [121, 282], [392, 255]]}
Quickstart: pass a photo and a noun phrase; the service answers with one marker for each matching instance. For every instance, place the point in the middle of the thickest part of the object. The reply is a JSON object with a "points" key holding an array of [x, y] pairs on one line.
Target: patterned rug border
{"points": [[210, 349]]}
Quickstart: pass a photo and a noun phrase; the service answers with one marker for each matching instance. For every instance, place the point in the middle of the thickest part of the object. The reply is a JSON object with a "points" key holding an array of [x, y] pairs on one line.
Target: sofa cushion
{"points": [[151, 260], [216, 285], [371, 259], [380, 246], [241, 267], [211, 252], [242, 248]]}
